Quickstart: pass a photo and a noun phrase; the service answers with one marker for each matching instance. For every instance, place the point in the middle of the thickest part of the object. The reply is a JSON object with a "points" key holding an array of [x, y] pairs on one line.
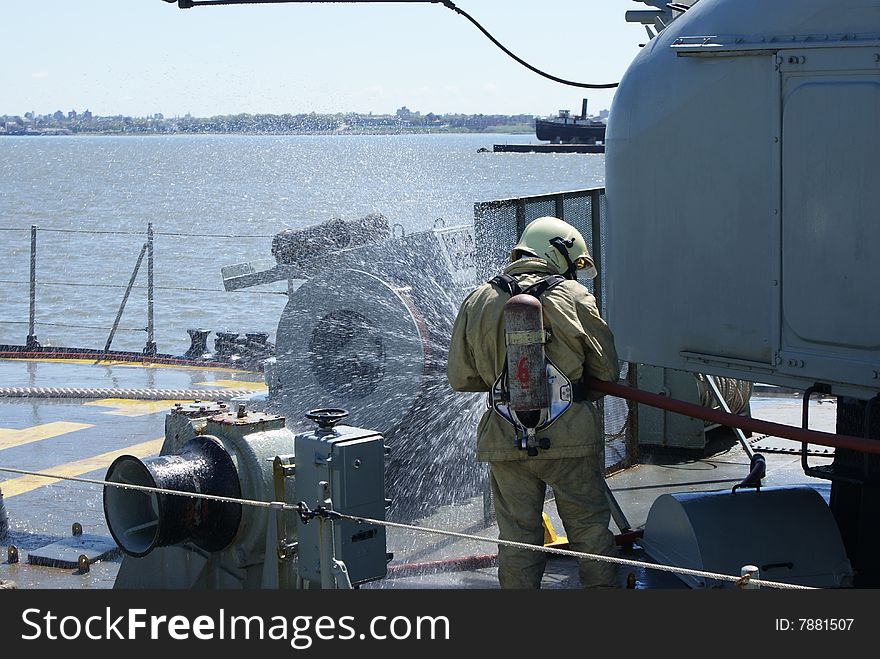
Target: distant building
{"points": [[14, 127]]}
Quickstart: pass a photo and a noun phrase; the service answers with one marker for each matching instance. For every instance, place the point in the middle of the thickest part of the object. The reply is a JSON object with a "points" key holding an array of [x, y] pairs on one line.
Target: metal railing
{"points": [[147, 252], [32, 342]]}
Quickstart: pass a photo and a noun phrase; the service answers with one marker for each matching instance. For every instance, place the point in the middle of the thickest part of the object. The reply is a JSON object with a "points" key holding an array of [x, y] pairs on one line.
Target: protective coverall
{"points": [[574, 462]]}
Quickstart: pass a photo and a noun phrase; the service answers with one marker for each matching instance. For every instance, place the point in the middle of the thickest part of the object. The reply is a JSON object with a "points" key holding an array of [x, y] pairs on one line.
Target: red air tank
{"points": [[526, 370]]}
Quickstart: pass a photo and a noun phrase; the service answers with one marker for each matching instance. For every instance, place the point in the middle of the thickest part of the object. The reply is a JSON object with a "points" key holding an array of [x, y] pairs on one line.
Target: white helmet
{"points": [[558, 243]]}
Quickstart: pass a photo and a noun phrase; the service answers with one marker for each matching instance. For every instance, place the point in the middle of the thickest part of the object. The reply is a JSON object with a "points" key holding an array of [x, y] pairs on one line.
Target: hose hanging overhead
{"points": [[187, 4]]}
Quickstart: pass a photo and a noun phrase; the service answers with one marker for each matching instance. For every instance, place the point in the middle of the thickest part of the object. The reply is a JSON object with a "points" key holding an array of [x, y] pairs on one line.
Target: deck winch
{"points": [[140, 523], [176, 541], [366, 328]]}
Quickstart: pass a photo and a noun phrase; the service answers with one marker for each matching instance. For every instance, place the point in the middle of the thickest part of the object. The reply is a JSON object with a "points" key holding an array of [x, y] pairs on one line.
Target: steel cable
{"points": [[280, 505]]}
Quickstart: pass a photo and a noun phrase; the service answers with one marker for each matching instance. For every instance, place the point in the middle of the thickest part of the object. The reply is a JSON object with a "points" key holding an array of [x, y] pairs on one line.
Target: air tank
{"points": [[526, 371]]}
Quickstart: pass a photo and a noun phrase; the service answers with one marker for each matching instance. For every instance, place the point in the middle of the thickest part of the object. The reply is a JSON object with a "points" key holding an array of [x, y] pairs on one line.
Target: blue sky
{"points": [[140, 57]]}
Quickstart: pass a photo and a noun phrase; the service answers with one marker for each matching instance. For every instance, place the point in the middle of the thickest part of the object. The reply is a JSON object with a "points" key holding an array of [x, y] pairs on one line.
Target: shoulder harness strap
{"points": [[511, 286], [507, 284], [543, 285]]}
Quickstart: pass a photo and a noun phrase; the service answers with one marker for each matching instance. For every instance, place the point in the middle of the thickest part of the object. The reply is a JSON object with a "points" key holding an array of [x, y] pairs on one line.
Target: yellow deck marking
{"points": [[133, 364], [236, 384], [133, 407], [10, 437], [16, 486]]}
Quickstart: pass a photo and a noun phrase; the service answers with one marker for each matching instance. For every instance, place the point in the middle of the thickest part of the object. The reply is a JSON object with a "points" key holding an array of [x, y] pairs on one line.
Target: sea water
{"points": [[217, 200]]}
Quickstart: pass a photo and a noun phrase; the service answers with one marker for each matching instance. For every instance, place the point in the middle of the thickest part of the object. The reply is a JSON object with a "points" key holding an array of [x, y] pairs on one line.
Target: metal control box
{"points": [[352, 461]]}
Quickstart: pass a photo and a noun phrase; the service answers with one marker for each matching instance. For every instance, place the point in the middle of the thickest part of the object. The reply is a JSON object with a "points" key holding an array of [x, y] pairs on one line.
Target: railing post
{"points": [[520, 217], [128, 288], [150, 347], [596, 247], [31, 343]]}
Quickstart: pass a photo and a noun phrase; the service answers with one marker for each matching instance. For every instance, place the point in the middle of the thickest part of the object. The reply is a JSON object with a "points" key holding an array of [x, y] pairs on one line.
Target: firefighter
{"points": [[546, 263]]}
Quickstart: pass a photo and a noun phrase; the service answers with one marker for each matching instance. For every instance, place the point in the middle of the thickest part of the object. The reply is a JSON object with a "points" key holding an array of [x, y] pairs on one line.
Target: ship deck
{"points": [[80, 438]]}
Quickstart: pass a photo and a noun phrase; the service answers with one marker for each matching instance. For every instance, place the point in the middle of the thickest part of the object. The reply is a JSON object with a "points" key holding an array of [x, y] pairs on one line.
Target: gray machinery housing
{"points": [[742, 232], [741, 195], [789, 533], [179, 542], [366, 328], [350, 465], [155, 558], [659, 429]]}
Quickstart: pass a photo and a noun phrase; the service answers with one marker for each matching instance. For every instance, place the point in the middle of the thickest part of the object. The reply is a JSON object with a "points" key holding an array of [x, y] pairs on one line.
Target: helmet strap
{"points": [[561, 246]]}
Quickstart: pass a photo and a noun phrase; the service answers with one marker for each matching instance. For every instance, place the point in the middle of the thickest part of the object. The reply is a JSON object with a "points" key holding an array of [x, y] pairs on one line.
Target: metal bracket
{"points": [[306, 514], [825, 471], [340, 576]]}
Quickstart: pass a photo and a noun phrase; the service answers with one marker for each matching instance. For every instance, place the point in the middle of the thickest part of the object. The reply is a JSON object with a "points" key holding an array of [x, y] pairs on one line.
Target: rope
{"points": [[280, 505], [275, 505], [106, 392], [736, 393]]}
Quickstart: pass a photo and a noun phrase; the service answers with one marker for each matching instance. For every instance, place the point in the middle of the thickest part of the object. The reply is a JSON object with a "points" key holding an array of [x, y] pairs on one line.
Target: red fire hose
{"points": [[802, 435]]}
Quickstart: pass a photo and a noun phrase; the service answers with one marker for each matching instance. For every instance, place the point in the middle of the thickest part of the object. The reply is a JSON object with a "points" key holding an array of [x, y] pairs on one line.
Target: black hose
{"points": [[757, 471], [187, 4]]}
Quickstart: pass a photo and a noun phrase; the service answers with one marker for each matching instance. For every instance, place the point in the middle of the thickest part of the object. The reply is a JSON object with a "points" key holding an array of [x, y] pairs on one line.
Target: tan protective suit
{"points": [[573, 464]]}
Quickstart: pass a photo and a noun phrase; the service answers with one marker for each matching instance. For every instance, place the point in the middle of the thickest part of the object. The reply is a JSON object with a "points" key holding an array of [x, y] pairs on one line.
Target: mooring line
{"points": [[200, 395], [280, 505]]}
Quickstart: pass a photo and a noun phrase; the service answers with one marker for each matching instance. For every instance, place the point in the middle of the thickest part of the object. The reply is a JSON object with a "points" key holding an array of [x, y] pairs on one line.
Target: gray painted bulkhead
{"points": [[742, 192]]}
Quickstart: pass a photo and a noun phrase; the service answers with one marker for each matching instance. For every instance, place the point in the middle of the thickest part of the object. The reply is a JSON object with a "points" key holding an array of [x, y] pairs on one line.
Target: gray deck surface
{"points": [[86, 433]]}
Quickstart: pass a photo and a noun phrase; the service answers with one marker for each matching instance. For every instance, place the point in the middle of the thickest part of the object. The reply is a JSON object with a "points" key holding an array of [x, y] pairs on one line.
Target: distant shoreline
{"points": [[403, 122], [57, 133]]}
